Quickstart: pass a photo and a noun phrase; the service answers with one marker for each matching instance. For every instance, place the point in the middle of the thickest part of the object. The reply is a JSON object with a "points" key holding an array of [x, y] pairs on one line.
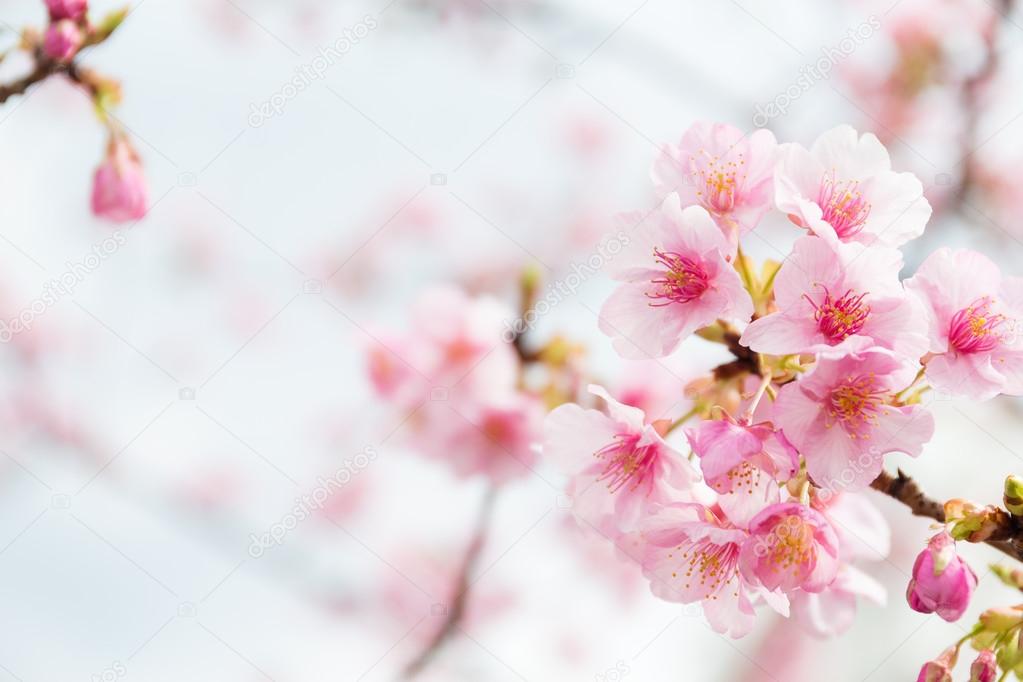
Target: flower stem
{"points": [[682, 420], [456, 610], [765, 382]]}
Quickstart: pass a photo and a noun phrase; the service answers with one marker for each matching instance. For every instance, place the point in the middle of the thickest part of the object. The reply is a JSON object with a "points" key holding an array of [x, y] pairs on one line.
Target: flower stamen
{"points": [[626, 461], [838, 319], [685, 279], [976, 329], [842, 205]]}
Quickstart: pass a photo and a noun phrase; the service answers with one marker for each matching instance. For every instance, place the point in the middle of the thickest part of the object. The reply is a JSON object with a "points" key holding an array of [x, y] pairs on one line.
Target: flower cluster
{"points": [[833, 354], [456, 382]]}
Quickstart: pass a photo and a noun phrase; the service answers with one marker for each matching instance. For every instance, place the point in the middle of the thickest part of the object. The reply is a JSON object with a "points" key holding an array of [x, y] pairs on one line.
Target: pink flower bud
{"points": [[985, 668], [119, 187], [62, 40], [942, 583], [67, 9], [940, 669]]}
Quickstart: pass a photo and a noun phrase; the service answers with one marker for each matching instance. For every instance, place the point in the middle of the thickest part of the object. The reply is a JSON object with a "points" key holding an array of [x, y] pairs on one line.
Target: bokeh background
{"points": [[212, 363]]}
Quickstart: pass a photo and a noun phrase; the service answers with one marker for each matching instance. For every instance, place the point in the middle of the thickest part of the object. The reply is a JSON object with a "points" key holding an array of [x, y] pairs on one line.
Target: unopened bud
{"points": [[1001, 618], [984, 668], [1013, 496], [62, 40], [67, 9], [974, 523], [1013, 577]]}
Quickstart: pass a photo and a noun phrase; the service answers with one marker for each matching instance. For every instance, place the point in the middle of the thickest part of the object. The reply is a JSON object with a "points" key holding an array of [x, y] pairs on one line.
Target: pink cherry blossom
{"points": [[495, 438], [841, 418], [678, 278], [690, 553], [832, 611], [67, 9], [460, 343], [119, 191], [392, 376], [973, 315], [724, 170], [454, 349], [618, 463], [843, 189], [839, 296], [62, 40], [454, 378], [863, 535], [942, 583], [791, 546], [743, 463]]}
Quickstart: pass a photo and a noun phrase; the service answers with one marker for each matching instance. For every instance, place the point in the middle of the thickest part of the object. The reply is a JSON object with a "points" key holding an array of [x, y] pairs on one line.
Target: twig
{"points": [[970, 97], [456, 610], [1007, 539], [44, 67]]}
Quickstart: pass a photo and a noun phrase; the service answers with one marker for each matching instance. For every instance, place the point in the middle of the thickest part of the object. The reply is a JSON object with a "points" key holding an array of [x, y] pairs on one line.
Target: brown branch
{"points": [[456, 610], [1007, 538], [43, 67]]}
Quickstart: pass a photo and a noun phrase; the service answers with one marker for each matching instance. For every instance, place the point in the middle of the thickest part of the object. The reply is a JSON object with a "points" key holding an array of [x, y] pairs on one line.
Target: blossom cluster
{"points": [[457, 384], [833, 355]]}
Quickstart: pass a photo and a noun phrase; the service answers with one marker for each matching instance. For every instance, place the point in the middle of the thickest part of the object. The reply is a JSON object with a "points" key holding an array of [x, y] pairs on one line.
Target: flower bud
{"points": [[972, 522], [940, 669], [942, 583], [1013, 577], [1013, 496], [119, 190], [62, 40], [1000, 619], [984, 668], [67, 9]]}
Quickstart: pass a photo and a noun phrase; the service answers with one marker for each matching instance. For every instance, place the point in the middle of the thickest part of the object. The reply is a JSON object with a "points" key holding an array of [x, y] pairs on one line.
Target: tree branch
{"points": [[44, 67], [1008, 538], [456, 610]]}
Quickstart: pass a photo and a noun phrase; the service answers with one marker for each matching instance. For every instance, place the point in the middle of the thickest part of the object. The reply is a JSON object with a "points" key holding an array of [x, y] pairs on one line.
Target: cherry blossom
{"points": [[724, 170], [973, 314], [743, 463], [843, 189], [839, 297], [842, 419], [690, 553], [617, 462], [678, 278], [791, 546]]}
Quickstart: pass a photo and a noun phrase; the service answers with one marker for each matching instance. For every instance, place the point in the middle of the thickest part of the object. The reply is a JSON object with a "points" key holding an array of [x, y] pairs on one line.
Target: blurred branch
{"points": [[456, 610], [43, 66], [971, 97]]}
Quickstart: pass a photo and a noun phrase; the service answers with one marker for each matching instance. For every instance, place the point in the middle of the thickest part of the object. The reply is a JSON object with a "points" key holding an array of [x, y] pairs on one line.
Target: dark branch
{"points": [[456, 610], [1007, 538]]}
